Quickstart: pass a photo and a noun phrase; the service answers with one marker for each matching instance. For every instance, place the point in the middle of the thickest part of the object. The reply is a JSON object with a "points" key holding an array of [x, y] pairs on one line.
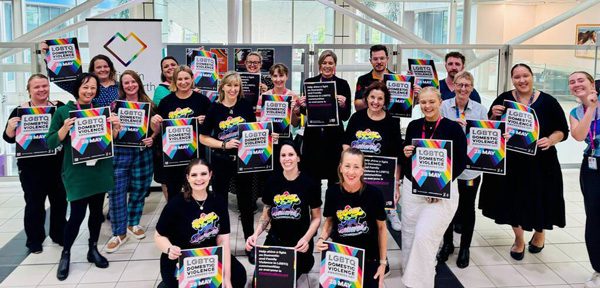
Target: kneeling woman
{"points": [[425, 219], [176, 227], [295, 225], [357, 212]]}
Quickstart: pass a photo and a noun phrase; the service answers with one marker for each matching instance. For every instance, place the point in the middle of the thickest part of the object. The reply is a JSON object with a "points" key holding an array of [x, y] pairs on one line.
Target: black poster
{"points": [[251, 87], [30, 135], [268, 58], [239, 58], [63, 61], [135, 119], [255, 152], [91, 135], [321, 105], [432, 168], [275, 267], [380, 172], [179, 141]]}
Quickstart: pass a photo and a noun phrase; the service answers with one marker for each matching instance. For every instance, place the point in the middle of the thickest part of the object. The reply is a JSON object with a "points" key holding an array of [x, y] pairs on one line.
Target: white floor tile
{"points": [[577, 251], [472, 276], [486, 256], [146, 251], [76, 272], [97, 285], [539, 274], [529, 258], [136, 284], [29, 275], [571, 272], [110, 274], [141, 270], [504, 275], [552, 254]]}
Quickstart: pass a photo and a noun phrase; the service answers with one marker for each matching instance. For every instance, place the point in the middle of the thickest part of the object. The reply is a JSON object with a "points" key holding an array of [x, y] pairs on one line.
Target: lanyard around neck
{"points": [[437, 123], [463, 114], [593, 126], [79, 106]]}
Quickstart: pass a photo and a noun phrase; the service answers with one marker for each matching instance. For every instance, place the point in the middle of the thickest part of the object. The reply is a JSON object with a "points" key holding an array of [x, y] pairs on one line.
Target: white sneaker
{"points": [[114, 243], [593, 282], [392, 216], [136, 232]]}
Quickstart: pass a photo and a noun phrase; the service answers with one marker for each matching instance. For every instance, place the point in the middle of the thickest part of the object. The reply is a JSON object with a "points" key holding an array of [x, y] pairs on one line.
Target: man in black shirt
{"points": [[379, 59]]}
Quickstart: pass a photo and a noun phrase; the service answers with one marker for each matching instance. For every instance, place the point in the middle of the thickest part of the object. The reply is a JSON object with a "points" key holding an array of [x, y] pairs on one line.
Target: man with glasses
{"points": [[253, 64], [454, 63], [379, 59]]}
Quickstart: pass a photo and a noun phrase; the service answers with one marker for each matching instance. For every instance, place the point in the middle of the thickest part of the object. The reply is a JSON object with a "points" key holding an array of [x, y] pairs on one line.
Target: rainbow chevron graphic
{"points": [[72, 67], [400, 106], [125, 137], [421, 175], [173, 154], [30, 143], [482, 159], [81, 143], [525, 144], [434, 77], [246, 154], [125, 63], [280, 125], [214, 282], [204, 80], [329, 281]]}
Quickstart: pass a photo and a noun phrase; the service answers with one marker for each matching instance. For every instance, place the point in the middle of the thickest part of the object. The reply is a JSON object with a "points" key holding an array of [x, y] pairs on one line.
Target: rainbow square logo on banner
{"points": [[125, 51]]}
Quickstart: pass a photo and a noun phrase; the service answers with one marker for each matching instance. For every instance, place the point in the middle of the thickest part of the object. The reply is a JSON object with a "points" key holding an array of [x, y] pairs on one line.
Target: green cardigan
{"points": [[80, 180]]}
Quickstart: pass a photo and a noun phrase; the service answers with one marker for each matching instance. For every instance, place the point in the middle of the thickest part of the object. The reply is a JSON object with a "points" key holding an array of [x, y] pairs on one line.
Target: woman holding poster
{"points": [[133, 169], [530, 195], [461, 109], [86, 183], [220, 133], [182, 103], [424, 219], [355, 215], [253, 64], [374, 132], [292, 207], [196, 218], [39, 176], [584, 127], [322, 145]]}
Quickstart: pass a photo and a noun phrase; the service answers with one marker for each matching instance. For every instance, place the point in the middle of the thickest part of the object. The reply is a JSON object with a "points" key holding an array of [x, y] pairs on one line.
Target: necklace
{"points": [[200, 205]]}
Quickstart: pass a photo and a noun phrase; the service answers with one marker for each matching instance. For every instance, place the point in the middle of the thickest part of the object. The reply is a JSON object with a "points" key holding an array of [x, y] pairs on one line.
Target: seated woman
{"points": [[292, 207], [175, 229]]}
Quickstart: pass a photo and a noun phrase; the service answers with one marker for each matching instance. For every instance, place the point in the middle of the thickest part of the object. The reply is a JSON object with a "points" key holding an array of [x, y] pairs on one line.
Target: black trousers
{"points": [[168, 266], [174, 178], [78, 211], [304, 261], [225, 177], [590, 187], [37, 185], [465, 214]]}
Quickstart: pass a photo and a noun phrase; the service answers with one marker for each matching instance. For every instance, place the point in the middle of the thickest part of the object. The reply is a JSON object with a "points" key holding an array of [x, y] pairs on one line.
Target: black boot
{"points": [[463, 258], [94, 256], [63, 265], [445, 251]]}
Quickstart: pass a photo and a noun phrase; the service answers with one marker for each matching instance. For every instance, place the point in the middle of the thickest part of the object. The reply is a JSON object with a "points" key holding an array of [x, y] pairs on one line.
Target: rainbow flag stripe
{"points": [[534, 135], [331, 282], [279, 124], [475, 153], [246, 154], [435, 80], [216, 281], [56, 66], [143, 130], [421, 175], [409, 102], [171, 150], [24, 139], [81, 143]]}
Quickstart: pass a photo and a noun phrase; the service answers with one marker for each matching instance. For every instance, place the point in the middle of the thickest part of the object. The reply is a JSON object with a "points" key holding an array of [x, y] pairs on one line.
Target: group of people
{"points": [[529, 197]]}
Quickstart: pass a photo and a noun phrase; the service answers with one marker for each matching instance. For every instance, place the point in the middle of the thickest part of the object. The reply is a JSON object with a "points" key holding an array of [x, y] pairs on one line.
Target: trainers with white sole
{"points": [[136, 232], [392, 216], [593, 282], [114, 243]]}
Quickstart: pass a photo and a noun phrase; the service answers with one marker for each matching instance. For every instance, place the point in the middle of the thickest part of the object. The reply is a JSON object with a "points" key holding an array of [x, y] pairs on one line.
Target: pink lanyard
{"points": [[79, 107], [593, 127], [434, 128]]}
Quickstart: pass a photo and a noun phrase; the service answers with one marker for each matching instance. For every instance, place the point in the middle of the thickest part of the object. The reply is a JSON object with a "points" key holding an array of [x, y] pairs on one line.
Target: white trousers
{"points": [[423, 227]]}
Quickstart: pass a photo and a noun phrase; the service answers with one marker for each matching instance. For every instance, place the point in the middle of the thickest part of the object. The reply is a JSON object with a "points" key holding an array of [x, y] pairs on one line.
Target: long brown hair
{"points": [[230, 77], [181, 68], [355, 152], [142, 96], [187, 189]]}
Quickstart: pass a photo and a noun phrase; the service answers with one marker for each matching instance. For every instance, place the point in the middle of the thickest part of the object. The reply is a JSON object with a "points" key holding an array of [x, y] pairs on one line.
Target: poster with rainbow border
{"points": [[278, 109], [486, 146], [523, 127], [255, 152], [275, 267], [91, 135], [204, 66], [211, 95], [341, 266], [401, 94], [432, 168], [30, 135], [200, 268], [135, 119], [424, 72], [179, 141], [63, 61]]}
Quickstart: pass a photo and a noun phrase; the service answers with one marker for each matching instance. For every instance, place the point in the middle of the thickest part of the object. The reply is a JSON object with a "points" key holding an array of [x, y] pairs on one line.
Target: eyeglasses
{"points": [[463, 85], [252, 62]]}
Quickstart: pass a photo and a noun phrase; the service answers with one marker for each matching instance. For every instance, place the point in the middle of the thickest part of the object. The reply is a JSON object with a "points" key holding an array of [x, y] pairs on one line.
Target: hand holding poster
{"points": [[432, 168], [401, 94], [278, 109], [275, 267], [204, 65], [180, 141], [523, 127], [30, 135], [134, 118], [201, 267], [91, 135], [255, 152], [486, 146], [251, 87], [424, 72], [63, 61], [381, 172], [321, 105], [341, 266]]}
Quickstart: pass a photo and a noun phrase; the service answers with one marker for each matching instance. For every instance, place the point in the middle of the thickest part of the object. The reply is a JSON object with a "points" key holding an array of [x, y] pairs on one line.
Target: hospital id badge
{"points": [[592, 163]]}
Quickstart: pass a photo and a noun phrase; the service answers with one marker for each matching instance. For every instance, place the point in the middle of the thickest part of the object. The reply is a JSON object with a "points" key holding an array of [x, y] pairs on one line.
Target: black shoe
{"points": [[251, 255], [63, 265], [95, 257], [517, 255], [458, 228], [35, 248], [445, 251], [161, 285], [463, 258], [535, 249]]}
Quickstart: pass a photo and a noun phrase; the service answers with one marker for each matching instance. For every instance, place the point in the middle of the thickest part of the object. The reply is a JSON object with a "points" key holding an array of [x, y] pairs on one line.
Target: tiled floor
{"points": [[563, 263]]}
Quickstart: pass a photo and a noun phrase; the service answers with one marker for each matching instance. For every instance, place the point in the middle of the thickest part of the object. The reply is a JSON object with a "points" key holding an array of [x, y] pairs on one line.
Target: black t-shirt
{"points": [[291, 202], [188, 227], [380, 138], [221, 122], [355, 217], [172, 107]]}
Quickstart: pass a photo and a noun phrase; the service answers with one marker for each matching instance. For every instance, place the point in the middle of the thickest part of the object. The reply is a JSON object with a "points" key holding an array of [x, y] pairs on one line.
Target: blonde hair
{"points": [[181, 68], [586, 74], [355, 152], [431, 89], [228, 78], [464, 75]]}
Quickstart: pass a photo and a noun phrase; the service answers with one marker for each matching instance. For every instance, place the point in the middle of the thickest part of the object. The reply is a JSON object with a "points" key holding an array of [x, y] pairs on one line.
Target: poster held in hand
{"points": [[239, 58], [424, 72], [201, 268], [268, 58], [277, 109], [432, 168], [321, 104], [275, 267], [204, 66], [342, 266], [135, 119], [63, 61], [523, 127], [486, 146], [255, 152], [179, 141], [91, 135], [251, 87], [222, 61], [30, 135], [401, 94], [380, 172]]}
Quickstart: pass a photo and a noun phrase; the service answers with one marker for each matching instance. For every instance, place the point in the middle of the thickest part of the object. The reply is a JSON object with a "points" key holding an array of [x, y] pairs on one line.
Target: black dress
{"points": [[530, 195]]}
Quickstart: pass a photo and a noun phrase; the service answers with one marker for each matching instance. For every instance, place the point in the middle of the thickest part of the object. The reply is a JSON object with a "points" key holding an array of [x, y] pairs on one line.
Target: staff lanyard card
{"points": [[592, 164]]}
